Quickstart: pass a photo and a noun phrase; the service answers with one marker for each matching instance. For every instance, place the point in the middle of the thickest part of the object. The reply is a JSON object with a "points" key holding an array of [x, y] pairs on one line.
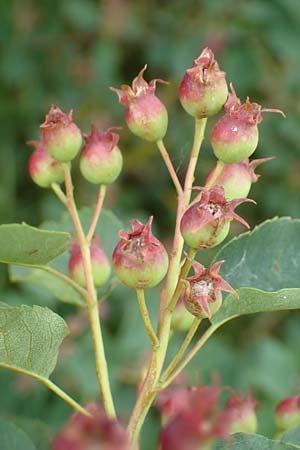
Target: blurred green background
{"points": [[69, 52]]}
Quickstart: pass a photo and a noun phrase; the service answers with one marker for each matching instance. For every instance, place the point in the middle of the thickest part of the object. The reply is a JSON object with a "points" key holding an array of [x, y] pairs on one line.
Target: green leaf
{"points": [[263, 266], [291, 436], [13, 438], [244, 441], [58, 287], [29, 339], [26, 245]]}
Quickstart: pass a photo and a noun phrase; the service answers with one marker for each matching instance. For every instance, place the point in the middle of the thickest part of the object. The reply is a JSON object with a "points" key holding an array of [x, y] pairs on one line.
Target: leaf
{"points": [[291, 436], [26, 245], [258, 262], [59, 288], [29, 339], [244, 441], [13, 438]]}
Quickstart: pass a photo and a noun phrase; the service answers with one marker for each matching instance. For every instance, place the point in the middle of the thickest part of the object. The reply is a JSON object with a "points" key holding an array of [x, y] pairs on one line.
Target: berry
{"points": [[140, 259], [242, 413], [236, 179], [206, 223], [100, 264], [202, 293], [145, 115], [43, 169], [235, 136], [61, 135], [101, 160], [287, 414], [181, 318], [203, 89]]}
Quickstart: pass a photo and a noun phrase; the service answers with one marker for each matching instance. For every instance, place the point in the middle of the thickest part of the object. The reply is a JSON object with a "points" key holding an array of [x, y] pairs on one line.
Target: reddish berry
{"points": [[235, 136], [287, 414], [101, 160], [43, 169], [203, 89], [242, 413], [202, 294], [206, 223], [145, 114], [139, 259], [236, 179], [96, 432], [61, 135], [194, 418], [100, 264]]}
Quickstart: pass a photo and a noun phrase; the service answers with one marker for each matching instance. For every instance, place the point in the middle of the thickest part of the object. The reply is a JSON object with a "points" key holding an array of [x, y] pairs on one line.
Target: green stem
{"points": [[99, 204], [181, 351], [217, 172], [92, 303], [148, 391], [65, 397], [170, 167], [208, 333], [146, 318], [59, 193]]}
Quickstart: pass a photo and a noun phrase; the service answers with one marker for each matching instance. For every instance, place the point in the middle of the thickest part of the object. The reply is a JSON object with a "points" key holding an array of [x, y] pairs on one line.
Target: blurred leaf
{"points": [[26, 245], [29, 339], [266, 260], [59, 288], [13, 438], [244, 441], [291, 436]]}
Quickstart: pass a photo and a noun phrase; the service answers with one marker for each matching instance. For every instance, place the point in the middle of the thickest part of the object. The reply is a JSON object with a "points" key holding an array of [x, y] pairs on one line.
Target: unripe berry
{"points": [[206, 222], [236, 179], [43, 169], [242, 413], [202, 292], [182, 319], [145, 115], [287, 414], [61, 135], [203, 89], [235, 136], [101, 160], [139, 259], [100, 264]]}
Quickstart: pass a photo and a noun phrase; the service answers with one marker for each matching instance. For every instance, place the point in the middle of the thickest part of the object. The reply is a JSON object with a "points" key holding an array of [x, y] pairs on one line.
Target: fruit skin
{"points": [[202, 292], [61, 136], [140, 259], [100, 264], [242, 413], [101, 160], [287, 414], [236, 179], [43, 169], [181, 319], [145, 115], [206, 222], [203, 90], [235, 136]]}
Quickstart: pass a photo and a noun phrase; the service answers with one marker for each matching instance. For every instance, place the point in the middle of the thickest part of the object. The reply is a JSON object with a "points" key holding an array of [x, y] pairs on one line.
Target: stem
{"points": [[59, 193], [181, 351], [65, 397], [99, 204], [146, 318], [217, 172], [148, 393], [92, 303], [208, 333], [168, 162]]}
